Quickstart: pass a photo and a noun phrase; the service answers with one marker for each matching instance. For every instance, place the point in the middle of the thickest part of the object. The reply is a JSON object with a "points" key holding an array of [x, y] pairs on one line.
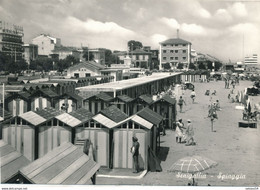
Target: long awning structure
{"points": [[124, 84], [66, 165]]}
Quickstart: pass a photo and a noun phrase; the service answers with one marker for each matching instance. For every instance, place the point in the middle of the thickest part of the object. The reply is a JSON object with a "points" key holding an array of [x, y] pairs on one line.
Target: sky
{"points": [[225, 29]]}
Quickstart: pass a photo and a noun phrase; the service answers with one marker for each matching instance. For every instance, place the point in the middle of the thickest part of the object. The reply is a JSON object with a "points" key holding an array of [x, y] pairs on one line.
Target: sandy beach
{"points": [[235, 149]]}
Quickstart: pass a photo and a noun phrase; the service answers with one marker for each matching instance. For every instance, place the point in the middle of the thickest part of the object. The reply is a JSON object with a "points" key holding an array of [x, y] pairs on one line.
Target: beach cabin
{"points": [[68, 126], [166, 107], [99, 102], [31, 133], [64, 165], [11, 162], [141, 102], [124, 103], [134, 126], [42, 98], [102, 137], [157, 120], [18, 103], [69, 102]]}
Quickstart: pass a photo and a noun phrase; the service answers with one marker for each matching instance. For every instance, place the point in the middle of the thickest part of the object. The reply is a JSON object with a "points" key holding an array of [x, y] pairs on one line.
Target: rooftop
{"points": [[124, 84], [114, 113], [174, 41]]}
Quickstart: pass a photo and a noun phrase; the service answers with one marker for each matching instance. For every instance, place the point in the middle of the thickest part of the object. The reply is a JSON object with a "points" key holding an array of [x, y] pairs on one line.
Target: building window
{"points": [[184, 58], [184, 51], [164, 58], [164, 51], [184, 45], [171, 58], [164, 45], [176, 44], [176, 51], [176, 58], [171, 51]]}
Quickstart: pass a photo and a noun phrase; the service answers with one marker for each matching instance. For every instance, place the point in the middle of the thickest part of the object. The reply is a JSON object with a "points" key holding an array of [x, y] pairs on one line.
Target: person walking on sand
{"points": [[179, 130], [193, 95], [135, 152], [189, 133], [181, 102]]}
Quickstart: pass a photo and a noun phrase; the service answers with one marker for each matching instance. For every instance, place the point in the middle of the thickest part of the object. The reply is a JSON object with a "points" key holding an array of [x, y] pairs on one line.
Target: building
{"points": [[139, 58], [30, 52], [62, 52], [251, 60], [99, 55], [174, 51], [46, 44], [11, 40], [85, 69]]}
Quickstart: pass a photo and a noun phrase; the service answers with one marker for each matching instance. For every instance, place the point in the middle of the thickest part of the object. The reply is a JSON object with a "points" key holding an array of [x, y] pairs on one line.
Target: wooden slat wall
{"points": [[123, 158]]}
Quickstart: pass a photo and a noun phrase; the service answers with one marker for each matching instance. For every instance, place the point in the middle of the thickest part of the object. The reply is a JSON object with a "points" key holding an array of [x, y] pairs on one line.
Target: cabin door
{"points": [[102, 147], [28, 142]]}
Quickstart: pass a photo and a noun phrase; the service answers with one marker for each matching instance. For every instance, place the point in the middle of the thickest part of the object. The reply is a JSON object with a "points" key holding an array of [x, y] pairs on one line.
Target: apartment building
{"points": [[174, 51], [11, 40]]}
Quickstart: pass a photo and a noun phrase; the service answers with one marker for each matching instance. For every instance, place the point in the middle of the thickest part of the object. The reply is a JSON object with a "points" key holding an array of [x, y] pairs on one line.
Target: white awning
{"points": [[142, 122], [32, 118], [104, 121], [68, 119]]}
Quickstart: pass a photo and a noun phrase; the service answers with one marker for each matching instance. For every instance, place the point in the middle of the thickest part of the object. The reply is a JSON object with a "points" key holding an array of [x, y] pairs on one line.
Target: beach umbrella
{"points": [[192, 165]]}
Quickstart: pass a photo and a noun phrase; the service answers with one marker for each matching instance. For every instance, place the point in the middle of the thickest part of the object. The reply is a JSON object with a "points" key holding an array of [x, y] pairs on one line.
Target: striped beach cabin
{"points": [[31, 133]]}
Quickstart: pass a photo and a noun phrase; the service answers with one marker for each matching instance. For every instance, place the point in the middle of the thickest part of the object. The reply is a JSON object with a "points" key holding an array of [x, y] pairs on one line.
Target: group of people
{"points": [[185, 133]]}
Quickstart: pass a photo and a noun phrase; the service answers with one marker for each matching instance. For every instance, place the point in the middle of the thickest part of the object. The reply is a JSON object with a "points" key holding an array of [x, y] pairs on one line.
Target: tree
{"points": [[180, 66], [133, 45], [110, 58], [201, 66], [192, 66], [88, 55], [166, 66]]}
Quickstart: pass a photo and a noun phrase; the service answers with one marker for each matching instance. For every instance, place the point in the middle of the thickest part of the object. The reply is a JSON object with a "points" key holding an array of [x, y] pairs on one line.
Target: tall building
{"points": [[46, 44], [30, 52], [174, 51], [11, 40]]}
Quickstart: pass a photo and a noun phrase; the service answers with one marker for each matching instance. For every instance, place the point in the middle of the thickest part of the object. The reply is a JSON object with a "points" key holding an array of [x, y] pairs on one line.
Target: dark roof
{"points": [[114, 113], [125, 98], [104, 96], [48, 113], [74, 96], [46, 92], [6, 114], [87, 95], [150, 116], [175, 41], [24, 94], [147, 98], [82, 114], [168, 99]]}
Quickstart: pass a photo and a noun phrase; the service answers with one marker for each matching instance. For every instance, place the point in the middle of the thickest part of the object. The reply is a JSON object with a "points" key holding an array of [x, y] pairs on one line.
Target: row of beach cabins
{"points": [[43, 123]]}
